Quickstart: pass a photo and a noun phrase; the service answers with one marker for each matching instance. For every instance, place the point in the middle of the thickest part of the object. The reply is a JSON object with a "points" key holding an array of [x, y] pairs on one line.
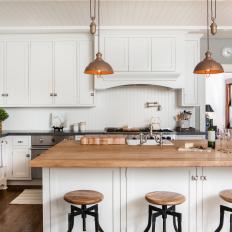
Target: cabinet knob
{"points": [[55, 95], [28, 155], [91, 94], [195, 178], [51, 94], [203, 178]]}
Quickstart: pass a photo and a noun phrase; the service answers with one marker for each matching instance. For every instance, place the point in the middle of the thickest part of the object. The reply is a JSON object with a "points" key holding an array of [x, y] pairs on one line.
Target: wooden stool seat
{"points": [[165, 198], [226, 195], [83, 197]]}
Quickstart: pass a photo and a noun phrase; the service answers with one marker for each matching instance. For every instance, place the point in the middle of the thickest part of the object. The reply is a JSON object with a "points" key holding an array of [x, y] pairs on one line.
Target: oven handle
{"points": [[40, 148]]}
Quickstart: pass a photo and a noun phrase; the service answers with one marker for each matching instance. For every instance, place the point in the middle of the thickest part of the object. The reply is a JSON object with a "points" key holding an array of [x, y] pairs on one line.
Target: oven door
{"points": [[36, 173]]}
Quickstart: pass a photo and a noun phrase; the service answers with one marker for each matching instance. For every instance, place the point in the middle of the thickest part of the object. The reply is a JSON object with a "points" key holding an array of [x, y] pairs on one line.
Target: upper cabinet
{"points": [[143, 57], [45, 70], [191, 94]]}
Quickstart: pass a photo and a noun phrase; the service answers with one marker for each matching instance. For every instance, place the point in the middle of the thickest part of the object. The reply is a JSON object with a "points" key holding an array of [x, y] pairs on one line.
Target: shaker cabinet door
{"points": [[216, 180], [17, 73], [163, 54], [20, 163], [140, 54], [116, 53], [2, 98], [85, 83], [65, 76], [41, 73], [192, 58], [142, 181]]}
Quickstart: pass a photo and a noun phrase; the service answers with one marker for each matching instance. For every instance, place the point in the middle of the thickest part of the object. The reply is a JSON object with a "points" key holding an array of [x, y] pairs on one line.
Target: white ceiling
{"points": [[19, 13]]}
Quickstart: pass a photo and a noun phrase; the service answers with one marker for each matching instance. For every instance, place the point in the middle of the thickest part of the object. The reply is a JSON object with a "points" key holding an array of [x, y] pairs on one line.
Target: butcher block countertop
{"points": [[70, 154]]}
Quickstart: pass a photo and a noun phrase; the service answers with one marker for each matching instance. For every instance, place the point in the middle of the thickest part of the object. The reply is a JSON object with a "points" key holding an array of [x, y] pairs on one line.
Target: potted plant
{"points": [[3, 116]]}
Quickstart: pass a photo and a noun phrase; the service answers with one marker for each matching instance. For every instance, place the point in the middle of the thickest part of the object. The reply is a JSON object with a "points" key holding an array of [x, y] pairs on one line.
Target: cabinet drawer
{"points": [[21, 141]]}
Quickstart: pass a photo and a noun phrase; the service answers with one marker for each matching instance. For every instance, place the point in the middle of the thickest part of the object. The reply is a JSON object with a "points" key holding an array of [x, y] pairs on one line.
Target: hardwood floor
{"points": [[19, 218]]}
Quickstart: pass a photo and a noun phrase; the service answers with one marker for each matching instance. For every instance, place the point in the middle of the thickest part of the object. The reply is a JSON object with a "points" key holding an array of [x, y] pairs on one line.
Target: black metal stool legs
{"points": [[163, 212], [84, 211], [223, 209]]}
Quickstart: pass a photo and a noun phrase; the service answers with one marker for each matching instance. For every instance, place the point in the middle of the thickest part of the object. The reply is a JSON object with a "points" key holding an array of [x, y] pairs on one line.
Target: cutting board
{"points": [[102, 140]]}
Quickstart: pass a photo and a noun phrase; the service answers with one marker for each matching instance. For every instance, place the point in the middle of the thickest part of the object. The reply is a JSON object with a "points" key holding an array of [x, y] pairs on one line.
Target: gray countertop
{"points": [[69, 133]]}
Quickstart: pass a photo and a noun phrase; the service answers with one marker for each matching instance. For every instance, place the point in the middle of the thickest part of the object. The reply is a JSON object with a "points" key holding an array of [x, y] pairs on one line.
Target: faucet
{"points": [[143, 138]]}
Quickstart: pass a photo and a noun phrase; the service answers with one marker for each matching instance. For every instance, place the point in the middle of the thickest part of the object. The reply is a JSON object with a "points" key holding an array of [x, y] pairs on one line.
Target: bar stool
{"points": [[168, 201], [84, 198], [226, 195]]}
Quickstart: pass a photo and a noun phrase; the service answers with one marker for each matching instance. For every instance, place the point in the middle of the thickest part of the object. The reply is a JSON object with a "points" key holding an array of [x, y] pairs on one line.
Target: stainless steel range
{"points": [[41, 143]]}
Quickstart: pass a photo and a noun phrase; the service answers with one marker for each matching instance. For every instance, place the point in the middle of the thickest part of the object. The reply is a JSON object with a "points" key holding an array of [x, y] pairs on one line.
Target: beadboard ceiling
{"points": [[19, 13]]}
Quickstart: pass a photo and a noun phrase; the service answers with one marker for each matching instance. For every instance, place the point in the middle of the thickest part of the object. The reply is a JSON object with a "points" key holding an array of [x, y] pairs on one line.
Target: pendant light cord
{"points": [[213, 12], [207, 24], [92, 10], [98, 25]]}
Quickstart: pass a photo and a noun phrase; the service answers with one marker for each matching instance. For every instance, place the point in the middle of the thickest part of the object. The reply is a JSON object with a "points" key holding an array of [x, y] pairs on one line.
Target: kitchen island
{"points": [[124, 174]]}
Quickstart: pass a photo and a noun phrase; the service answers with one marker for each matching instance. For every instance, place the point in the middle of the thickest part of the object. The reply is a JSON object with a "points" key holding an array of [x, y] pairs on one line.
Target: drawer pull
{"points": [[194, 178], [20, 141]]}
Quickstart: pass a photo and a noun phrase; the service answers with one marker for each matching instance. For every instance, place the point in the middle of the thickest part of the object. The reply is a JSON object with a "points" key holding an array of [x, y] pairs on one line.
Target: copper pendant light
{"points": [[98, 66], [208, 65]]}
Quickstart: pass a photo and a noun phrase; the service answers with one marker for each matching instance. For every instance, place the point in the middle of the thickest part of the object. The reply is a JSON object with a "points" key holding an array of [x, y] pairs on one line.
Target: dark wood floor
{"points": [[19, 218]]}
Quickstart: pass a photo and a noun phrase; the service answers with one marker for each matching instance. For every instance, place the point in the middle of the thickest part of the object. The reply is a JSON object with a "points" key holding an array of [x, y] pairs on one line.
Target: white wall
{"points": [[215, 96], [114, 107]]}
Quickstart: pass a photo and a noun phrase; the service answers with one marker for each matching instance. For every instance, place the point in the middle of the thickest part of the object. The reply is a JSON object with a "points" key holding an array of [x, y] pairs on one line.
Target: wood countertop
{"points": [[70, 154]]}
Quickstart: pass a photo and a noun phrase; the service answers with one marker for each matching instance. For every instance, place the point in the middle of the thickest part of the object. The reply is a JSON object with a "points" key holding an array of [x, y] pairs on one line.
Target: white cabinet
{"points": [[18, 158], [215, 180], [20, 163], [3, 163], [2, 89], [140, 54], [58, 181], [41, 73], [116, 52], [164, 54], [142, 181], [65, 77], [193, 91], [45, 70], [143, 57], [16, 73], [85, 82]]}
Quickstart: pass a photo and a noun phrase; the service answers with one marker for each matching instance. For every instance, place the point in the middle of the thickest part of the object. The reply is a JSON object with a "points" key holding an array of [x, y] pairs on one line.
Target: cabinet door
{"points": [[116, 53], [192, 58], [2, 89], [65, 85], [142, 181], [139, 54], [85, 82], [62, 180], [217, 179], [41, 73], [163, 54], [17, 73], [20, 163]]}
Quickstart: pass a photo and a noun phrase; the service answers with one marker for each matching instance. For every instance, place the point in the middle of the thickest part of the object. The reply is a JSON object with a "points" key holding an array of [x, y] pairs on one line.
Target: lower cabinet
{"points": [[19, 155], [124, 208], [200, 186], [213, 181], [142, 181]]}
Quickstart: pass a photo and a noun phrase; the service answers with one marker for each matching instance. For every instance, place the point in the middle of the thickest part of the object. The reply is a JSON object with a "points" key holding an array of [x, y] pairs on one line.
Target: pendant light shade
{"points": [[99, 66], [208, 66]]}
